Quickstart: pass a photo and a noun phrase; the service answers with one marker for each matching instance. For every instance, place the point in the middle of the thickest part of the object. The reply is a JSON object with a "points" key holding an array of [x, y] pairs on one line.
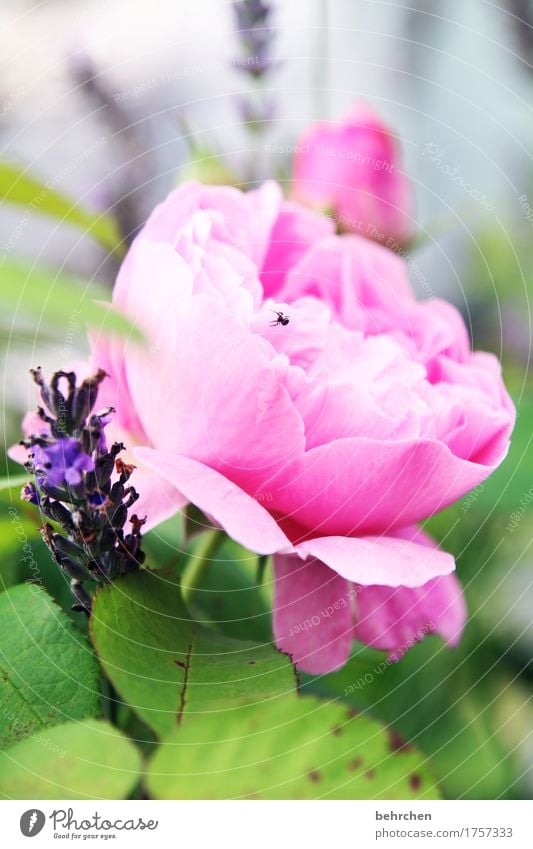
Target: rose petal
{"points": [[312, 615], [363, 485], [388, 560], [293, 234], [395, 618], [244, 519]]}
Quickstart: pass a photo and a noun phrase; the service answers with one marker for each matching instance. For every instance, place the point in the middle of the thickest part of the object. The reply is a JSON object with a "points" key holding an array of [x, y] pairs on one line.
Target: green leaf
{"points": [[289, 748], [166, 666], [438, 699], [76, 760], [16, 537], [165, 545], [20, 188], [207, 167], [48, 671], [23, 557], [13, 482], [64, 303], [225, 592]]}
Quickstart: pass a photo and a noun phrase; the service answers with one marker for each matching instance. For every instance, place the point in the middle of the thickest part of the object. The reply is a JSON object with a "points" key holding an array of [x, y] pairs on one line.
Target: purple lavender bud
{"points": [[61, 404], [57, 512], [82, 597], [30, 494], [61, 462], [255, 115], [74, 471], [256, 35], [37, 375], [104, 421], [86, 395], [96, 499]]}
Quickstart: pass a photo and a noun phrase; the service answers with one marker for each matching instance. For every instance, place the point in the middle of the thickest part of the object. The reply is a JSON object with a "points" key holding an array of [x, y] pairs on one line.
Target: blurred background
{"points": [[106, 105]]}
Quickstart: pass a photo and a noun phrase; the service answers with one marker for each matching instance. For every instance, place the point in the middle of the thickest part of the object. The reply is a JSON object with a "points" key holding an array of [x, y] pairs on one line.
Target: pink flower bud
{"points": [[352, 169]]}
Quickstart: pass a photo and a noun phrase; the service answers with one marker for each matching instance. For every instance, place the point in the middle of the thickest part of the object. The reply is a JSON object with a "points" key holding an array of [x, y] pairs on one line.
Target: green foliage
{"points": [[13, 482], [227, 710], [15, 546], [205, 165], [20, 188], [225, 592], [76, 760], [166, 666], [287, 748], [24, 557], [48, 671], [58, 301], [165, 546], [438, 699]]}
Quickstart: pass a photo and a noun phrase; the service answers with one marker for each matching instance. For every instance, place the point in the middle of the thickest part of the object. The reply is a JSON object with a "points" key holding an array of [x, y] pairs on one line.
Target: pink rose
{"points": [[322, 441], [352, 167]]}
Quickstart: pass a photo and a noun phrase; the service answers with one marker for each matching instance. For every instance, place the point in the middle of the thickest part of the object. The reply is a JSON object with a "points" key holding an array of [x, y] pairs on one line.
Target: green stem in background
{"points": [[200, 559], [443, 225], [262, 561]]}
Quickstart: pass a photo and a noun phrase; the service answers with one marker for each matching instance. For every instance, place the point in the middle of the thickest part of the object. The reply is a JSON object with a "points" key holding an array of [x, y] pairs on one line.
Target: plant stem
{"points": [[199, 561], [262, 561]]}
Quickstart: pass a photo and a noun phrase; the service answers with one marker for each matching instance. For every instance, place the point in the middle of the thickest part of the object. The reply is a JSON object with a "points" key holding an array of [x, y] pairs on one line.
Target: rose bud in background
{"points": [[352, 169]]}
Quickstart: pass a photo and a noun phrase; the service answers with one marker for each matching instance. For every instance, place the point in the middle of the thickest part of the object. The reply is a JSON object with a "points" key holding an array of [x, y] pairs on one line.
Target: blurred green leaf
{"points": [[288, 748], [166, 666], [61, 302], [76, 760], [13, 482], [20, 188], [25, 557], [16, 532], [165, 545], [514, 715], [438, 699], [48, 670], [226, 594], [208, 168]]}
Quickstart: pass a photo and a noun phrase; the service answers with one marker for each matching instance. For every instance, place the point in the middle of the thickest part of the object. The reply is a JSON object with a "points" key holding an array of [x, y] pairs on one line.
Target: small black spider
{"points": [[281, 319]]}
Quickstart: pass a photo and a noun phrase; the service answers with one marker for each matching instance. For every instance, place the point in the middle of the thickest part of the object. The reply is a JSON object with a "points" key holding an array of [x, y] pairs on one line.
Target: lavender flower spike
{"points": [[82, 486], [253, 23]]}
